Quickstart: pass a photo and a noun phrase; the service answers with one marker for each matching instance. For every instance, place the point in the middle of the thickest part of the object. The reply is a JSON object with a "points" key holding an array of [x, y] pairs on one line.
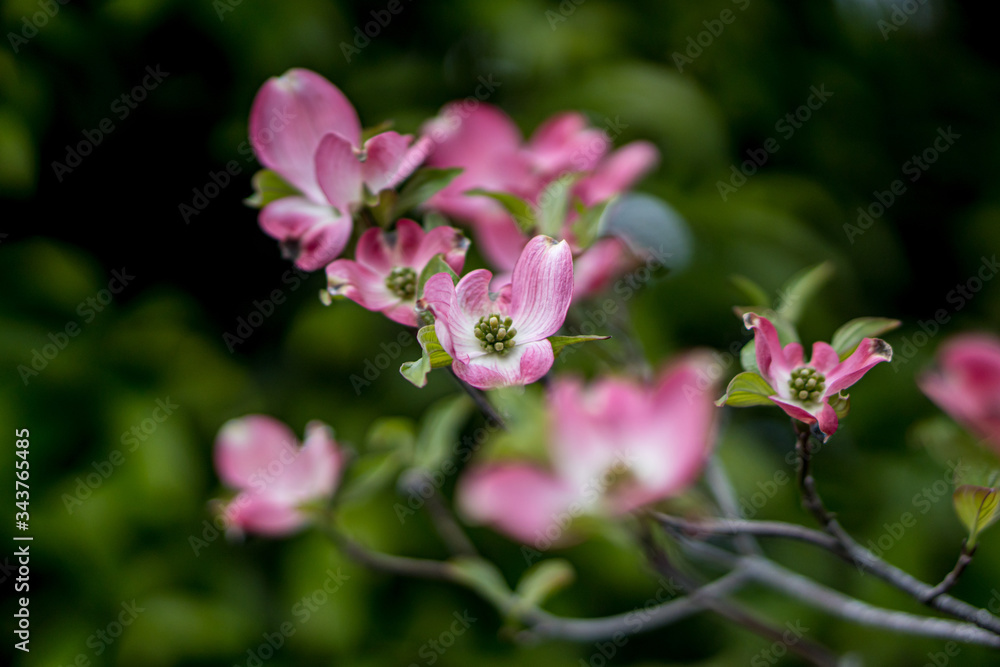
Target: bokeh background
{"points": [[929, 65]]}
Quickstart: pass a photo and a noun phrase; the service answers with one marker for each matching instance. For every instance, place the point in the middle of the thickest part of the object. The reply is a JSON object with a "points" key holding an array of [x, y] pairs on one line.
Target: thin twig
{"points": [[950, 579], [866, 560], [809, 650], [479, 398], [838, 604], [736, 527]]}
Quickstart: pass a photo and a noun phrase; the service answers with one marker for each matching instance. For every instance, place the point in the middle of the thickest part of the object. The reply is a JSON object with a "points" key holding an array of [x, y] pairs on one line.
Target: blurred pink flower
{"points": [[614, 446], [384, 277], [260, 457], [305, 129], [966, 383], [804, 389], [502, 340], [487, 145]]}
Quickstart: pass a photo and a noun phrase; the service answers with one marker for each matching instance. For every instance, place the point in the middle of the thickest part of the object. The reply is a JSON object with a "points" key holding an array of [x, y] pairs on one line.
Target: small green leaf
{"points": [[433, 219], [438, 436], [383, 208], [522, 211], [484, 578], [846, 338], [748, 358], [543, 580], [268, 187], [796, 293], [421, 186], [752, 291], [559, 342], [590, 221], [553, 204], [976, 507], [841, 404], [746, 390], [432, 356], [435, 266]]}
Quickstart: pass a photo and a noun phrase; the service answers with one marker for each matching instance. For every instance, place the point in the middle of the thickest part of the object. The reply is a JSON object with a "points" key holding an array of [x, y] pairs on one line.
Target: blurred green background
{"points": [[63, 70]]}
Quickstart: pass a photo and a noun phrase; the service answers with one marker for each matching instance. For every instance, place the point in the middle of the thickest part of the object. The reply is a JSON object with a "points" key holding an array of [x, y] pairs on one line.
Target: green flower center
{"points": [[807, 384], [495, 333], [402, 282]]}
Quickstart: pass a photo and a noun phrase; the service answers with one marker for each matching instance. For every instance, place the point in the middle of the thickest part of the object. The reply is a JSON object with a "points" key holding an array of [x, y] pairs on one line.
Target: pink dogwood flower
{"points": [[489, 148], [501, 340], [804, 389], [614, 446], [384, 277], [303, 128], [275, 478], [966, 383]]}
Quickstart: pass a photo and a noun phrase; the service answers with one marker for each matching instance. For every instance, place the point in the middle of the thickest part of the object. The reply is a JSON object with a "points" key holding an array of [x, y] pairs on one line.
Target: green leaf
{"points": [[484, 578], [976, 507], [433, 219], [268, 187], [756, 295], [589, 222], [841, 404], [432, 356], [746, 390], [748, 358], [435, 266], [543, 580], [553, 204], [422, 185], [438, 437], [559, 342], [383, 208], [521, 210], [797, 292], [846, 338]]}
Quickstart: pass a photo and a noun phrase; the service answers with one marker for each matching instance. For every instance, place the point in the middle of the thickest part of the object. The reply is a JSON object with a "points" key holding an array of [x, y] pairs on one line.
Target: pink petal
{"points": [[472, 138], [338, 171], [384, 155], [871, 351], [524, 502], [597, 266], [375, 252], [446, 241], [793, 355], [526, 363], [322, 243], [408, 237], [499, 238], [452, 324], [564, 143], [316, 469], [619, 172], [542, 288], [827, 419], [414, 157], [824, 357], [247, 447], [361, 285], [794, 410], [255, 513], [771, 359], [289, 117]]}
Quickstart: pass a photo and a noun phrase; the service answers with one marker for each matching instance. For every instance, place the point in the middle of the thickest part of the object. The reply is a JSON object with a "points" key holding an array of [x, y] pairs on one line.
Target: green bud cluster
{"points": [[495, 333], [807, 384], [402, 282]]}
